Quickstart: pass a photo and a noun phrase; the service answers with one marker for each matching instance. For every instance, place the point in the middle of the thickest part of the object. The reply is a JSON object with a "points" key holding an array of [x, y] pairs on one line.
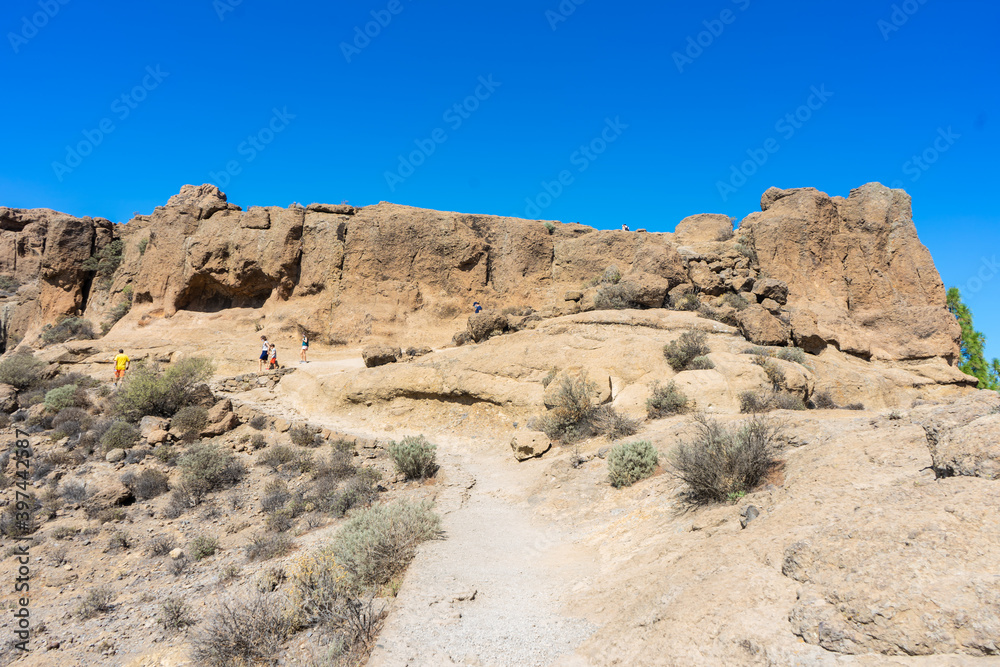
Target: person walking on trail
{"points": [[263, 354], [121, 365], [272, 355], [305, 350]]}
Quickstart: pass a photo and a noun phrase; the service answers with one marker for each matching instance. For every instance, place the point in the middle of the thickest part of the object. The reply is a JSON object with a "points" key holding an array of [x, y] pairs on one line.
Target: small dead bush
{"points": [[735, 301], [268, 545], [161, 545], [74, 491], [276, 495], [67, 329], [630, 462], [243, 631], [303, 436], [794, 354], [570, 418], [617, 296], [823, 400], [681, 352], [175, 614], [666, 401], [689, 301], [257, 441], [756, 402], [414, 457], [97, 601], [614, 425], [722, 464], [775, 375], [119, 541]]}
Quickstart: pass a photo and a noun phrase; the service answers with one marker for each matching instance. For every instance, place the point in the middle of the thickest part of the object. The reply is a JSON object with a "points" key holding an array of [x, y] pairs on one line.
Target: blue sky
{"points": [[643, 108]]}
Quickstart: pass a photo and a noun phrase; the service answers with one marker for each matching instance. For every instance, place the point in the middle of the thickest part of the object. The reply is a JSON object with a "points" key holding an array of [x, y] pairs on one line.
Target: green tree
{"points": [[973, 360]]}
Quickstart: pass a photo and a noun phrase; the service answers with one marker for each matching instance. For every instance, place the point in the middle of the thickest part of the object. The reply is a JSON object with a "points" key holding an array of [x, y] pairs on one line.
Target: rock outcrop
{"points": [[856, 268], [850, 273]]}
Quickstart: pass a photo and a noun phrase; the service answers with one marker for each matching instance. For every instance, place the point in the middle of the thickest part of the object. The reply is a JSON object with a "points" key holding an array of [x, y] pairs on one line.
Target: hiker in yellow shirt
{"points": [[121, 365]]}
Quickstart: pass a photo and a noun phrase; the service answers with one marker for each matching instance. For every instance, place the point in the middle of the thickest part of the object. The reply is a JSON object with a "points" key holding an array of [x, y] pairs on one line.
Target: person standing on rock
{"points": [[262, 359], [625, 228], [305, 349], [121, 365]]}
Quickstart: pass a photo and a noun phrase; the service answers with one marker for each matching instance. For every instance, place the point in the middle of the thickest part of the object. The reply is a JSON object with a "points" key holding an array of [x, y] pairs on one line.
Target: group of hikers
{"points": [[269, 354]]}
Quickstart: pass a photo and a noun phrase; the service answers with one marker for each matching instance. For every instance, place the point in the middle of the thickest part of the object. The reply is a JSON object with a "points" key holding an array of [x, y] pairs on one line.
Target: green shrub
{"points": [[207, 467], [189, 419], [549, 227], [276, 457], [67, 329], [143, 244], [775, 375], [631, 461], [734, 301], [105, 262], [701, 364], [614, 425], [724, 315], [666, 401], [681, 352], [611, 276], [21, 370], [148, 391], [203, 546], [116, 314], [414, 456], [8, 283], [60, 398], [243, 631], [794, 354], [120, 435], [722, 463], [378, 543]]}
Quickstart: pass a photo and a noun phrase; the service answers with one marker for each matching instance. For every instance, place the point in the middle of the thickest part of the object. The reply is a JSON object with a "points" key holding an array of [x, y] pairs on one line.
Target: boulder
{"points": [[771, 306], [530, 445], [573, 295], [704, 227], [706, 280], [228, 422], [149, 424], [380, 355], [157, 437], [761, 327], [8, 398], [769, 288], [115, 455], [972, 449], [486, 324], [219, 411]]}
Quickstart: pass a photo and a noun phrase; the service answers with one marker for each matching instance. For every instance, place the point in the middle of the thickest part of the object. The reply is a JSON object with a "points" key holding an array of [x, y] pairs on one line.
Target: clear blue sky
{"points": [[220, 73]]}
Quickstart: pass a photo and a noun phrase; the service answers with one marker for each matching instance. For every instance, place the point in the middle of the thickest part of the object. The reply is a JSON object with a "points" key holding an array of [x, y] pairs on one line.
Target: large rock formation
{"points": [[827, 271], [857, 275]]}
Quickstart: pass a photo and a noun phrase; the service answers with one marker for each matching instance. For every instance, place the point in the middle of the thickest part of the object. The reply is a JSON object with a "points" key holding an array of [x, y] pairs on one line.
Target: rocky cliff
{"points": [[814, 270]]}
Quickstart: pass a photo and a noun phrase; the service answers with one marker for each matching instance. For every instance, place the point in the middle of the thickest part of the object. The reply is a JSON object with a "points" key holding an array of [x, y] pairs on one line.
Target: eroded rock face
{"points": [[704, 227], [380, 355], [856, 268]]}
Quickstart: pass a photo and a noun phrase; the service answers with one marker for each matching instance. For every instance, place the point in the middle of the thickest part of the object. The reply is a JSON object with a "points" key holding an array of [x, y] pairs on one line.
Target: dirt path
{"points": [[491, 593]]}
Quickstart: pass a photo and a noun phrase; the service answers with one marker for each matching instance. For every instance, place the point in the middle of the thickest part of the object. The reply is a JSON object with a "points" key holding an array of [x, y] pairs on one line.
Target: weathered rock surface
{"points": [[8, 398], [486, 324], [530, 445], [761, 327], [856, 267], [704, 227], [380, 355]]}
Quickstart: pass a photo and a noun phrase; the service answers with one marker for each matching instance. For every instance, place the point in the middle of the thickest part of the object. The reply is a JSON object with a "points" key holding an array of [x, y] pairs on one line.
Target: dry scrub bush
{"points": [[378, 543], [631, 461], [119, 435], [414, 457], [207, 467], [258, 422], [681, 352], [147, 484], [570, 419], [735, 301], [268, 545], [701, 364], [243, 631], [74, 491], [97, 601], [175, 614], [823, 400], [189, 419], [614, 425], [148, 391], [276, 457], [276, 494], [666, 401], [162, 545], [203, 546], [723, 464], [303, 436], [755, 402], [67, 329], [774, 374], [617, 296], [21, 370]]}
